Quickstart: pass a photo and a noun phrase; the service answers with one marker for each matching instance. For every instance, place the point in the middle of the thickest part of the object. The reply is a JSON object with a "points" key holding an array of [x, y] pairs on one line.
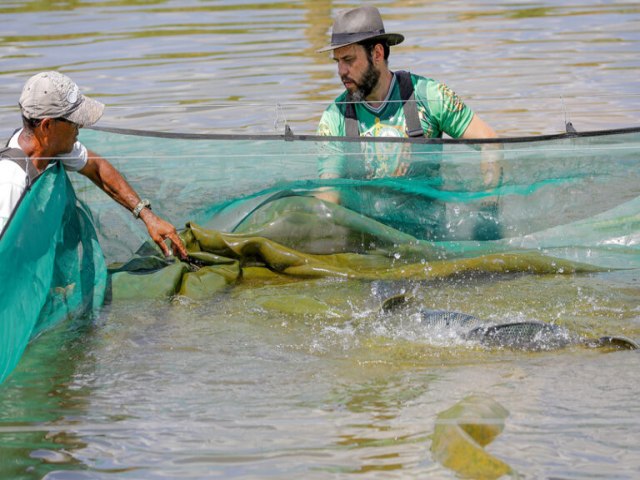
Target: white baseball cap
{"points": [[54, 95]]}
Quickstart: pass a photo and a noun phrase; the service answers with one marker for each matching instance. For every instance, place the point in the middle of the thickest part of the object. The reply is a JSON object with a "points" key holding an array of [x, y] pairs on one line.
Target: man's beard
{"points": [[367, 84]]}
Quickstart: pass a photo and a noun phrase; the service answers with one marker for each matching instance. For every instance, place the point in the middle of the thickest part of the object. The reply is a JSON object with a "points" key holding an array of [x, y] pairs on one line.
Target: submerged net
{"points": [[546, 200], [255, 208]]}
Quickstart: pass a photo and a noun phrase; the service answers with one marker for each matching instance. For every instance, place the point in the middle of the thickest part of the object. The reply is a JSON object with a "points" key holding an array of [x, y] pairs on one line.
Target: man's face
{"points": [[357, 72], [65, 134]]}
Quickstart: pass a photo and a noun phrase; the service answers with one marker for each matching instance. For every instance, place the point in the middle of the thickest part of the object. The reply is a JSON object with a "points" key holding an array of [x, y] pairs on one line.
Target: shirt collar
{"points": [[392, 85]]}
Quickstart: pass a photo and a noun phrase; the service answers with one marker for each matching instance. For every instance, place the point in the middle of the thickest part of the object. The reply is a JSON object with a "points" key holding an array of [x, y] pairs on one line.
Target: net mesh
{"points": [[568, 197], [251, 208], [51, 265]]}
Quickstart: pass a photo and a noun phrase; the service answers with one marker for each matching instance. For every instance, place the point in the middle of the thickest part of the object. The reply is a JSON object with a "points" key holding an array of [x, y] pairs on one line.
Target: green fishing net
{"points": [[565, 203], [255, 209], [51, 265]]}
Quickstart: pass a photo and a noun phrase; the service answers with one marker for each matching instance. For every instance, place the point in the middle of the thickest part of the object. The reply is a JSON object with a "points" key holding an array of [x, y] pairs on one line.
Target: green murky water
{"points": [[306, 379]]}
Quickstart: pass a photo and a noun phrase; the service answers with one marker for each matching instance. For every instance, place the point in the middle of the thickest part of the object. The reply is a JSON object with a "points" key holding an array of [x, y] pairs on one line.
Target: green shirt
{"points": [[440, 111]]}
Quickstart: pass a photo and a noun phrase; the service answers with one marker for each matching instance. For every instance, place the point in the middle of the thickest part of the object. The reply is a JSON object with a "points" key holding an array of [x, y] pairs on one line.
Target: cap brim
{"points": [[88, 113], [391, 38]]}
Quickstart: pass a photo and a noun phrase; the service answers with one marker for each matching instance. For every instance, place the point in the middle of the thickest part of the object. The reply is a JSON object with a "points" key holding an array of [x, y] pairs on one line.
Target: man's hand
{"points": [[160, 230], [328, 194], [401, 170]]}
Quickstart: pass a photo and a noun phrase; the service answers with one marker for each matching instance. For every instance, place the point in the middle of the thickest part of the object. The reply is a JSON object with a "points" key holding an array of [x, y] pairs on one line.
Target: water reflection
{"points": [[183, 65], [42, 399], [238, 388]]}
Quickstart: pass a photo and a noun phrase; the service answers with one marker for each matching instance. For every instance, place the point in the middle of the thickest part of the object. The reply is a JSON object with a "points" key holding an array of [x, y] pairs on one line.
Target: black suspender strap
{"points": [[407, 94], [350, 118], [16, 155]]}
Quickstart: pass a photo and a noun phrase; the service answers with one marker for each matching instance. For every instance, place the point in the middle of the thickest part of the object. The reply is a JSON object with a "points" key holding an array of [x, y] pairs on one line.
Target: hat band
{"points": [[48, 114], [342, 38]]}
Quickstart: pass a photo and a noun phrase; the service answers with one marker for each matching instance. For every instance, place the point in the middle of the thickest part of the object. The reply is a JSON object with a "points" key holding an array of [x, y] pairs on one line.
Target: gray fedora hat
{"points": [[357, 25]]}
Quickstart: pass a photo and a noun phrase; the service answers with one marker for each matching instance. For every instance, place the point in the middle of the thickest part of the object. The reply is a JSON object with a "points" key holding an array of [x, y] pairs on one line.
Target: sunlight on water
{"points": [[310, 379], [183, 65], [240, 385]]}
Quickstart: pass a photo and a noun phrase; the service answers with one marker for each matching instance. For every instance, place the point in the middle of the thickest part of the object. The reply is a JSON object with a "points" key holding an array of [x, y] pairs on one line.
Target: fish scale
{"points": [[523, 335]]}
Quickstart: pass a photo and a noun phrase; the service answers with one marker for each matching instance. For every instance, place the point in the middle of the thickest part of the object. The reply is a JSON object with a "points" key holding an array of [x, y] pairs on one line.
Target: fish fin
{"points": [[618, 343], [395, 301]]}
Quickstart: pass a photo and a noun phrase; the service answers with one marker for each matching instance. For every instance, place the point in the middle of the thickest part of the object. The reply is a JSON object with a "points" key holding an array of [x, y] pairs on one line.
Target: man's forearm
{"points": [[111, 181]]}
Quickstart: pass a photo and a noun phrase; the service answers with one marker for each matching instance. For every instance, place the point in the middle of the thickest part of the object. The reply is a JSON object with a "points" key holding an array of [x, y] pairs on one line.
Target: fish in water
{"points": [[523, 335]]}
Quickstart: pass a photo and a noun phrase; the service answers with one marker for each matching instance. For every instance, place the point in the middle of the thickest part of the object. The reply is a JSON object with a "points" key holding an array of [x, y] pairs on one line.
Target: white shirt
{"points": [[13, 180]]}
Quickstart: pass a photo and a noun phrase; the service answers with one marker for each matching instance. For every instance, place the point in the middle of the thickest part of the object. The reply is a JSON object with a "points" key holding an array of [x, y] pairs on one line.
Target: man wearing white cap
{"points": [[53, 110], [380, 103]]}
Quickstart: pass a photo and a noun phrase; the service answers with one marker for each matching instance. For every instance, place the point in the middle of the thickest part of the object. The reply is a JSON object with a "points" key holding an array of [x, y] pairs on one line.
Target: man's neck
{"points": [[379, 94]]}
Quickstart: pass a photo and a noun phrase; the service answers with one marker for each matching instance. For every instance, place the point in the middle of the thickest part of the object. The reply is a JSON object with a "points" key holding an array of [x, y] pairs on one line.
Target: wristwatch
{"points": [[140, 206]]}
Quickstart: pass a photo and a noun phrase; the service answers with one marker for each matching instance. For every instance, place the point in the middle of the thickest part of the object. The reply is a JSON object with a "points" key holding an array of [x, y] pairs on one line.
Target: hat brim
{"points": [[390, 38], [88, 113]]}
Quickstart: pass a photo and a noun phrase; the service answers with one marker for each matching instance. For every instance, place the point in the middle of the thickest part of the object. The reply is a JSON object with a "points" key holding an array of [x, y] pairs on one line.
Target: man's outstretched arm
{"points": [[109, 179]]}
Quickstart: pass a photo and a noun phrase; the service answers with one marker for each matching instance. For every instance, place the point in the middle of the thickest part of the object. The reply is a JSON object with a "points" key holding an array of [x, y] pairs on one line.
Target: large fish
{"points": [[524, 335]]}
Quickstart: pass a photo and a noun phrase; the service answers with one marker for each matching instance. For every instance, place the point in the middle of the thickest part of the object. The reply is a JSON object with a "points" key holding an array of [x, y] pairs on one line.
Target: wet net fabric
{"points": [[255, 210], [51, 265], [400, 209]]}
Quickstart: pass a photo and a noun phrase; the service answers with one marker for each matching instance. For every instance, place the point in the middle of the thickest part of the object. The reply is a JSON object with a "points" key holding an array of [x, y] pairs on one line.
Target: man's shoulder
{"points": [[423, 87], [338, 103], [420, 81], [430, 91], [10, 168], [332, 121], [12, 154], [12, 158]]}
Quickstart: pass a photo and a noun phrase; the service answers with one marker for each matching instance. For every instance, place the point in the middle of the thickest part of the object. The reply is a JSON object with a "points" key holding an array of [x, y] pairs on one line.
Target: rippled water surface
{"points": [[258, 383], [207, 66]]}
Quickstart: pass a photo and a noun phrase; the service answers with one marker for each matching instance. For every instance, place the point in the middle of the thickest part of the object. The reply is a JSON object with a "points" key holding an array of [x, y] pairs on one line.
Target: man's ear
{"points": [[46, 124], [378, 53]]}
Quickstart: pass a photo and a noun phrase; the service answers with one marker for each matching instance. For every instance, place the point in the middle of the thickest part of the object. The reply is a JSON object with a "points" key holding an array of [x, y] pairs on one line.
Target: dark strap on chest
{"points": [[16, 155], [409, 105], [407, 94], [351, 119]]}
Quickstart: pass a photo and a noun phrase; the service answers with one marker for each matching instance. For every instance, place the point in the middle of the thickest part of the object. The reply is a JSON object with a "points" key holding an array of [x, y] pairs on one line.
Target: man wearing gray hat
{"points": [[53, 110], [381, 103]]}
